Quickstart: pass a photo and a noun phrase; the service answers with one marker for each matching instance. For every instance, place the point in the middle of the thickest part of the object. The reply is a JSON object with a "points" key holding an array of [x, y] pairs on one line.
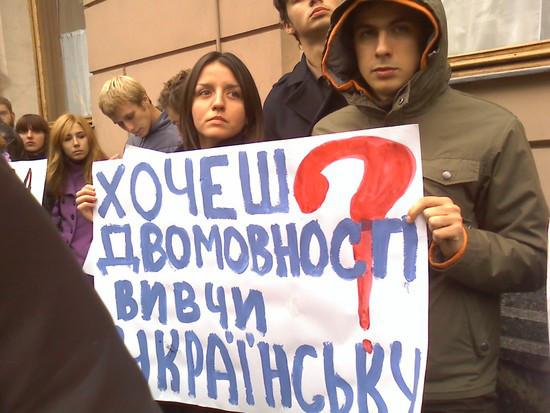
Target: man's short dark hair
{"points": [[6, 103], [280, 5], [172, 91]]}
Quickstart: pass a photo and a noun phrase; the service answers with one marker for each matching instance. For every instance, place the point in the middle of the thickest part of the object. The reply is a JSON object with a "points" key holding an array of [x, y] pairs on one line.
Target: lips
{"points": [[384, 71], [217, 119], [318, 11]]}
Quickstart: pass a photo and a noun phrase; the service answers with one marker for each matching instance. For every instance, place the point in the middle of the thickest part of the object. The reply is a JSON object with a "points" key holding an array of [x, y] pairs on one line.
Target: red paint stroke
{"points": [[388, 172]]}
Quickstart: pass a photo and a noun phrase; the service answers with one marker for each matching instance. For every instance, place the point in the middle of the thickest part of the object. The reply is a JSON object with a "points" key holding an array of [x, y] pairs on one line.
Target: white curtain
{"points": [[74, 49], [476, 25]]}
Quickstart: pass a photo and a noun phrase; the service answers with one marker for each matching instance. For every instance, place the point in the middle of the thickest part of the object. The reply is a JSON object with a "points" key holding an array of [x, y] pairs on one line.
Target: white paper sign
{"points": [[33, 175], [236, 275]]}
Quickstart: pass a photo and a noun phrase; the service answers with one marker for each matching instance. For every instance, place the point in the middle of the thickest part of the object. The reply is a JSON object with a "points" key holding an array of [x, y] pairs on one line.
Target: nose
{"points": [[76, 142], [29, 133], [383, 47], [128, 126], [218, 103]]}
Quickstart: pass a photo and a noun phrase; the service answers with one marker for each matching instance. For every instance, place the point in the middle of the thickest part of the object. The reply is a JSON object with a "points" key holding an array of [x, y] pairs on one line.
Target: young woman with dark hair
{"points": [[221, 105], [34, 132], [72, 150]]}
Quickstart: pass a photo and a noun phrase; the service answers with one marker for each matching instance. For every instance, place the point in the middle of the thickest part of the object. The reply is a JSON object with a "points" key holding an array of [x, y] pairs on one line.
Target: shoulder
{"points": [[133, 140], [165, 139], [287, 83], [346, 119], [278, 92], [476, 107]]}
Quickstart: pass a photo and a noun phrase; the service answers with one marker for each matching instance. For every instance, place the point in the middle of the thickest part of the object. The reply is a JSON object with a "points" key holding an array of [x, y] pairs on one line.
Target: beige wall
{"points": [[526, 96], [17, 65], [126, 36]]}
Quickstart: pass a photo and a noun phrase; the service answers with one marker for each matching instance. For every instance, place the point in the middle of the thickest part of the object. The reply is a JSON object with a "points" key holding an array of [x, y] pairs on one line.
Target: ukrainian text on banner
{"points": [[278, 276], [33, 175]]}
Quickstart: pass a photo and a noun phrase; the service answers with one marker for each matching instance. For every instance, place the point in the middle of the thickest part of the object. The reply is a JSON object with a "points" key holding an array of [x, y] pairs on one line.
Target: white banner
{"points": [[278, 276], [33, 176]]}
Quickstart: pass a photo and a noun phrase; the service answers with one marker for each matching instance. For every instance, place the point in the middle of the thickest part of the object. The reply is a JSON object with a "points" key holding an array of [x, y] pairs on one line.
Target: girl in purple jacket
{"points": [[73, 148]]}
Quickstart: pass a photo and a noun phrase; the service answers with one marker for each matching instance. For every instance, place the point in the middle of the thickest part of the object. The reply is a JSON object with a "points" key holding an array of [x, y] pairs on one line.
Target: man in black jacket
{"points": [[302, 97]]}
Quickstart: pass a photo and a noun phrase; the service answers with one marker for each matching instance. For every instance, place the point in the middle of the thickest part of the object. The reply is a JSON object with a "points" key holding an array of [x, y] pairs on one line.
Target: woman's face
{"points": [[218, 108], [33, 140], [75, 144]]}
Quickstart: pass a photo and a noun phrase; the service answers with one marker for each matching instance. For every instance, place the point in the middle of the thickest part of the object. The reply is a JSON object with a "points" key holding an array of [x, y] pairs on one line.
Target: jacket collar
{"points": [[298, 75], [306, 99]]}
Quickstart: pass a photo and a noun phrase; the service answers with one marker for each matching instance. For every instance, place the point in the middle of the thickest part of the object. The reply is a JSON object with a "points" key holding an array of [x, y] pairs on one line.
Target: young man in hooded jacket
{"points": [[484, 206]]}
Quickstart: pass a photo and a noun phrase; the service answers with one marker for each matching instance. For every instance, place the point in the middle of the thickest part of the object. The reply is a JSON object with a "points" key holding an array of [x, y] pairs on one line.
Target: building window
{"points": [[62, 57], [476, 25], [491, 36]]}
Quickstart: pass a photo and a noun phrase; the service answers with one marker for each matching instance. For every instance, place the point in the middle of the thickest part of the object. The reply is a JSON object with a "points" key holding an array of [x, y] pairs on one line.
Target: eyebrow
{"points": [[401, 19], [229, 85]]}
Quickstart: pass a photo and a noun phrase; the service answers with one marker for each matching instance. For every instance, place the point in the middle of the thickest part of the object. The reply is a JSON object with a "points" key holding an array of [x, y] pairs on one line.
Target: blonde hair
{"points": [[118, 91], [57, 160]]}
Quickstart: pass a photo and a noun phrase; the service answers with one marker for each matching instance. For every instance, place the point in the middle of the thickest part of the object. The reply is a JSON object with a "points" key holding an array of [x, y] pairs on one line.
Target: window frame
{"points": [[505, 59], [43, 89]]}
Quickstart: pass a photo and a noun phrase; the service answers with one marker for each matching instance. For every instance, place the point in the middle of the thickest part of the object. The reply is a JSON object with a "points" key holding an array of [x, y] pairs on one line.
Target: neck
{"points": [[155, 114], [313, 50]]}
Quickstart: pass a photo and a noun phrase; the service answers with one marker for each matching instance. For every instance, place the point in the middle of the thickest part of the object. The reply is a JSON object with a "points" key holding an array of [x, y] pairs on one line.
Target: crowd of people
{"points": [[365, 64]]}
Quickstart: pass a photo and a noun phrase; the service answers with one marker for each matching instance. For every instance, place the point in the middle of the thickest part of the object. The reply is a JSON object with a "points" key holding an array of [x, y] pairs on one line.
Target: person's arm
{"points": [[507, 252]]}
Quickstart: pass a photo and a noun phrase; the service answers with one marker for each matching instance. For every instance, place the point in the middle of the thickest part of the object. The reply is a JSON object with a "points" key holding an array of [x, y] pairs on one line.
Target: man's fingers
{"points": [[448, 233], [424, 203]]}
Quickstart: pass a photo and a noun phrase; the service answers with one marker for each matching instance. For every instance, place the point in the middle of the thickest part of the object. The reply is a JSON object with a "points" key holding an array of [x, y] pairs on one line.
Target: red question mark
{"points": [[389, 169]]}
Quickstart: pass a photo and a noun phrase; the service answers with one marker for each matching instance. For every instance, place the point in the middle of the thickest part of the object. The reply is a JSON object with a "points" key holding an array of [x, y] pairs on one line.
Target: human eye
{"points": [[235, 93], [203, 91], [67, 138], [365, 33], [402, 28]]}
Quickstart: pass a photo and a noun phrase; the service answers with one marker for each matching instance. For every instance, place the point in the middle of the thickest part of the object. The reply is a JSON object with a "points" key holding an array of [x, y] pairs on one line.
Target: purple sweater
{"points": [[75, 230]]}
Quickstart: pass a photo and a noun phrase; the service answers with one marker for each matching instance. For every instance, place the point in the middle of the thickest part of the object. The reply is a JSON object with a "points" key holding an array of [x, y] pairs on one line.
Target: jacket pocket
{"points": [[458, 179], [483, 316], [447, 172]]}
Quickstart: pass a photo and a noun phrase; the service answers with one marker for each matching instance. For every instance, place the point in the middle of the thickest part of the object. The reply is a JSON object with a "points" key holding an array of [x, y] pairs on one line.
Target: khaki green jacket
{"points": [[475, 153]]}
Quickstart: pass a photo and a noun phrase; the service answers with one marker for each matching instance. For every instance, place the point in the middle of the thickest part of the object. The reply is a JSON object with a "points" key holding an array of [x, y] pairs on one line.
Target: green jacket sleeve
{"points": [[506, 250]]}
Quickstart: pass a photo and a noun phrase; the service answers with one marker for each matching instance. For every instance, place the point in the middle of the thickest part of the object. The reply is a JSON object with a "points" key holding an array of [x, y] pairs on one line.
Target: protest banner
{"points": [[33, 175], [279, 276]]}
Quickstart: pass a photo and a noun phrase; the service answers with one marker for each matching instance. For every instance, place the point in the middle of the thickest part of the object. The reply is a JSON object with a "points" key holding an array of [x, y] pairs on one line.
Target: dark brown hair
{"points": [[172, 91], [280, 5], [254, 125], [35, 123]]}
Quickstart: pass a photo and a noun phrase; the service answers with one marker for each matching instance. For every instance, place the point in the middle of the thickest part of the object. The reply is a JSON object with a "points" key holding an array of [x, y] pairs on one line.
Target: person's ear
{"points": [[289, 29], [145, 101]]}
